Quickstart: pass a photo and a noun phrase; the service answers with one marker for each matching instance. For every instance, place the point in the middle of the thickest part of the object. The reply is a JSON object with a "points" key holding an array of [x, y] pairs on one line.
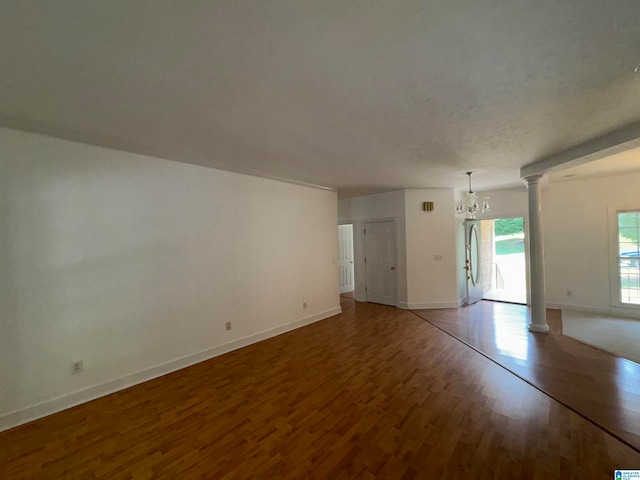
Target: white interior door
{"points": [[473, 261], [380, 262], [345, 261]]}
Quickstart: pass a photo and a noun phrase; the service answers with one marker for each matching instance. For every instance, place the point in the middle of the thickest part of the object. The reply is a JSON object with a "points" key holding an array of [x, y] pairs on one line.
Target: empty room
{"points": [[319, 239]]}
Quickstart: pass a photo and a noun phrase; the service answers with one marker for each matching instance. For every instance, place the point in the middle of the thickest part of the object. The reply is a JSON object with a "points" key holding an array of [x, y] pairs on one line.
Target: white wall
{"points": [[422, 281], [513, 202], [133, 264], [388, 205], [576, 233], [431, 283]]}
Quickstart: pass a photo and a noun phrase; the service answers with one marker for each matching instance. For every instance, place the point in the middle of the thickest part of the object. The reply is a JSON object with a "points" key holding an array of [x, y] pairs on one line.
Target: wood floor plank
{"points": [[595, 383], [375, 392]]}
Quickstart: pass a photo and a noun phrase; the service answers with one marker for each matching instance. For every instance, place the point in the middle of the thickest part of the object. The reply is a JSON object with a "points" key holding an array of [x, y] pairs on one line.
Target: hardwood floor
{"points": [[375, 392], [595, 383]]}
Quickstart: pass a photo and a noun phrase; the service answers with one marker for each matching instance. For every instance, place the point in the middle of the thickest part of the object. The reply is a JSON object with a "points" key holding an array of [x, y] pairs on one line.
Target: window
{"points": [[628, 257]]}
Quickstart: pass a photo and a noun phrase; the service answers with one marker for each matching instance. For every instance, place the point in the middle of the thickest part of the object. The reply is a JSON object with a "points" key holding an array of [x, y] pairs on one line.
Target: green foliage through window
{"points": [[509, 246], [629, 225], [508, 226]]}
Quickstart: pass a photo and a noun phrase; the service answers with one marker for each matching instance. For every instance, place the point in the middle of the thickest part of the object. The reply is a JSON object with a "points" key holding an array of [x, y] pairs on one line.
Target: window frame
{"points": [[614, 259]]}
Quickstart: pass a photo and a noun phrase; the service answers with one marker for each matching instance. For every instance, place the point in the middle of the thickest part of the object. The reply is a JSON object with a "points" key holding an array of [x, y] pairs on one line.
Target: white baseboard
{"points": [[419, 306], [628, 312], [430, 305], [48, 407]]}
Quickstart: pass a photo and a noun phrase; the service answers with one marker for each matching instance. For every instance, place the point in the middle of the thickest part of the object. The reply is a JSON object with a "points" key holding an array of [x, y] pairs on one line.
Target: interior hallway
{"points": [[374, 392], [602, 387]]}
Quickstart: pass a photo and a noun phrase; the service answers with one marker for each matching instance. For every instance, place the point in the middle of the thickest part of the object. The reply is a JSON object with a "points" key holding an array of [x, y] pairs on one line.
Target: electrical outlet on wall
{"points": [[569, 293], [77, 367], [227, 326], [304, 305]]}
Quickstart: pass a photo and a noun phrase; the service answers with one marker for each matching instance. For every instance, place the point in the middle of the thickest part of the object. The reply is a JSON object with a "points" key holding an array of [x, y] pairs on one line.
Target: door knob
{"points": [[393, 268]]}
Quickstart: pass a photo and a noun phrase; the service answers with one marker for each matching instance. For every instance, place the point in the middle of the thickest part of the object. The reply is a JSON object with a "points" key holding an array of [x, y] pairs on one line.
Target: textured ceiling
{"points": [[355, 96]]}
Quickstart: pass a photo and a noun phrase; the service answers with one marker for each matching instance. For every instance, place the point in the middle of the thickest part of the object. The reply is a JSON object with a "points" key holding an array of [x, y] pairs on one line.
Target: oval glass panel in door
{"points": [[474, 254]]}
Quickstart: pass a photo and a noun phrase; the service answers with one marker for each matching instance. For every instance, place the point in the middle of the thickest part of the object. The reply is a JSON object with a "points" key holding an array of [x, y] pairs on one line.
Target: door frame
{"points": [[355, 253], [395, 253], [527, 263]]}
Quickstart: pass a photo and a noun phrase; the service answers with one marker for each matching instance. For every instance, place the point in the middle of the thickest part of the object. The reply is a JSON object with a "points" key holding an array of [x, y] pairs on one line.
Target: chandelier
{"points": [[468, 205]]}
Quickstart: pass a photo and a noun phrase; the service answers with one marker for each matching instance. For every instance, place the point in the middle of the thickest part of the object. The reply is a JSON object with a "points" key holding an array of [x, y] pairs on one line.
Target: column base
{"points": [[538, 328]]}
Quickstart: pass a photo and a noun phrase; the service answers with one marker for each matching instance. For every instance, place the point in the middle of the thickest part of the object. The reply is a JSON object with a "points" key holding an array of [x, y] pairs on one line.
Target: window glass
{"points": [[629, 257]]}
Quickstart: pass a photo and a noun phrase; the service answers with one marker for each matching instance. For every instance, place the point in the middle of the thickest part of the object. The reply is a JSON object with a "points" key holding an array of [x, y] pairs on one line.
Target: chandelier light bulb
{"points": [[469, 205]]}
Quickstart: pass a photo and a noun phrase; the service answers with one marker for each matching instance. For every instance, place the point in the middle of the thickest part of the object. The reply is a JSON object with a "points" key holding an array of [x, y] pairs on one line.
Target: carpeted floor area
{"points": [[620, 336]]}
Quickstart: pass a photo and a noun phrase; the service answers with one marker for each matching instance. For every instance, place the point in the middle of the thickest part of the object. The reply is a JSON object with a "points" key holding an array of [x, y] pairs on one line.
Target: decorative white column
{"points": [[536, 254]]}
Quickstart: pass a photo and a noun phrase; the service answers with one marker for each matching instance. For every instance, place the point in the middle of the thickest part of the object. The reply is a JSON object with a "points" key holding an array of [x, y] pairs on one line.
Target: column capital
{"points": [[535, 178]]}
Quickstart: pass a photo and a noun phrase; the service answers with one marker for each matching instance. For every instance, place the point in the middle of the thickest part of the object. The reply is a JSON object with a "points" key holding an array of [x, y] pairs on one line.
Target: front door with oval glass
{"points": [[473, 261]]}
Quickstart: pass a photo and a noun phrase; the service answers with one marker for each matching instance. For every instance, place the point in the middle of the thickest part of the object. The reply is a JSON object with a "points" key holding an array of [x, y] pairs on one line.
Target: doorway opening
{"points": [[503, 264], [346, 272]]}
